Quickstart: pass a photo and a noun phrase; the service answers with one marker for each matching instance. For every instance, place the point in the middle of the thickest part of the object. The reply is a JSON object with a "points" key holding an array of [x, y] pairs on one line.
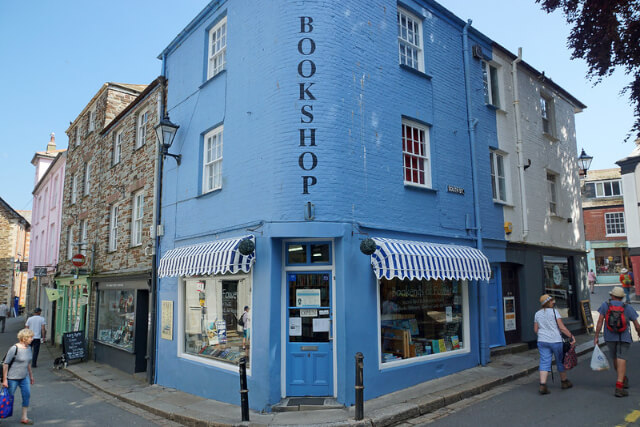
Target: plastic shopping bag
{"points": [[598, 360], [6, 403]]}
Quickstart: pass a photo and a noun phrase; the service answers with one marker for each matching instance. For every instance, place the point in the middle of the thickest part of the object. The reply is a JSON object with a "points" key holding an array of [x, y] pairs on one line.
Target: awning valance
{"points": [[422, 260], [217, 257]]}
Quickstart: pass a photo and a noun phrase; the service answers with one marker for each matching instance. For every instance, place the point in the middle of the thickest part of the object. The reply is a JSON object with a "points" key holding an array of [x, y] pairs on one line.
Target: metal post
{"points": [[359, 387], [244, 392]]}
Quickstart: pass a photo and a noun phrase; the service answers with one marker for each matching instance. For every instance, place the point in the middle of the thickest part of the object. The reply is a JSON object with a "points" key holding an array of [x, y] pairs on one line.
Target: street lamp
{"points": [[584, 161], [165, 132]]}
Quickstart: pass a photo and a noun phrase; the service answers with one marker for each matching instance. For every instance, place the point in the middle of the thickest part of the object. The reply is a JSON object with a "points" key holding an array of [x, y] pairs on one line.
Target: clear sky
{"points": [[54, 56]]}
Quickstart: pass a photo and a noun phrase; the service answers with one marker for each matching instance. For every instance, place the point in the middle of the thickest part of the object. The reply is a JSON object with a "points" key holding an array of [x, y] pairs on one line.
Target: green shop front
{"points": [[71, 306]]}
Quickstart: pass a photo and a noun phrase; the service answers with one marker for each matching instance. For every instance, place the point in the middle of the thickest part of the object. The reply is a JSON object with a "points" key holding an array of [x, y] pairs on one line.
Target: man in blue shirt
{"points": [[618, 342]]}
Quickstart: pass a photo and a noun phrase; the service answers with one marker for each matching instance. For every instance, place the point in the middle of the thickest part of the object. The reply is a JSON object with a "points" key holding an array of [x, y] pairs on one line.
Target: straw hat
{"points": [[624, 271], [545, 299], [617, 292]]}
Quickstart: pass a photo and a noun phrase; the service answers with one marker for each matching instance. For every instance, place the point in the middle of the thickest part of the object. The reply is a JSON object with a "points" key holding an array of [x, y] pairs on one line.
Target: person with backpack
{"points": [[548, 326], [617, 315], [245, 322], [627, 284]]}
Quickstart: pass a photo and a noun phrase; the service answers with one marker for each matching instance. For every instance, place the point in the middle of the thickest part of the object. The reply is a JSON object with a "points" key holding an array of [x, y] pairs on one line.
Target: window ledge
{"points": [[550, 137], [411, 186], [416, 72], [505, 204], [139, 147], [212, 78], [557, 217], [208, 193], [137, 245]]}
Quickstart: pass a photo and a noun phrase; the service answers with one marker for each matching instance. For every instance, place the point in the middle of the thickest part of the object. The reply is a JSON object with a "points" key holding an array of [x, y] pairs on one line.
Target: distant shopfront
{"points": [[71, 305]]}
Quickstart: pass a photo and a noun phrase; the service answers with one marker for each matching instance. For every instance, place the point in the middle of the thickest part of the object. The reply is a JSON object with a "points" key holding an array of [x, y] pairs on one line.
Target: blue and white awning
{"points": [[217, 257], [422, 260]]}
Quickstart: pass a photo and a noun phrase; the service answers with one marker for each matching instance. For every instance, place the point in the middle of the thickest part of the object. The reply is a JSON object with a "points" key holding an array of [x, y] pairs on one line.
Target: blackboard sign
{"points": [[585, 305], [73, 345]]}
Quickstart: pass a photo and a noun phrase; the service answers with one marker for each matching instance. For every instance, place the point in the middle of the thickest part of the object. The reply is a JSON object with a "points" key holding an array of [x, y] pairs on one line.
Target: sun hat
{"points": [[624, 271], [617, 292], [545, 299]]}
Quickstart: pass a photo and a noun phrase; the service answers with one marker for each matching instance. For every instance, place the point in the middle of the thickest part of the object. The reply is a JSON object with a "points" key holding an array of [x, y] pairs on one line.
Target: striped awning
{"points": [[422, 260], [217, 257]]}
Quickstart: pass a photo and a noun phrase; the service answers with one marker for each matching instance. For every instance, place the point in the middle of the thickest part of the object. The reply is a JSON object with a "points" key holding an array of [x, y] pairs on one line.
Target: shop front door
{"points": [[494, 300], [309, 356]]}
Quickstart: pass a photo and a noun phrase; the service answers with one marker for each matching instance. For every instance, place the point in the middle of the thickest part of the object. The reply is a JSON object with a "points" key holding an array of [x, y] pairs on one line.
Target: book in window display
{"points": [[116, 320]]}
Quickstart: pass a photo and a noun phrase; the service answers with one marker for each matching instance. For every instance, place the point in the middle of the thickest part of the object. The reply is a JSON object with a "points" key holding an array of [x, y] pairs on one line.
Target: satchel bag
{"points": [[570, 358], [6, 403]]}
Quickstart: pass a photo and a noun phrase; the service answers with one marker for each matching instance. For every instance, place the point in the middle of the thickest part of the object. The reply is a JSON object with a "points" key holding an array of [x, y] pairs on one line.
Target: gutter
{"points": [[483, 325], [521, 166]]}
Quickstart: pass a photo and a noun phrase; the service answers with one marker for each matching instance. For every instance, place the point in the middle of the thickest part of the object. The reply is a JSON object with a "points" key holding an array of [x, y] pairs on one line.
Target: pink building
{"points": [[45, 225]]}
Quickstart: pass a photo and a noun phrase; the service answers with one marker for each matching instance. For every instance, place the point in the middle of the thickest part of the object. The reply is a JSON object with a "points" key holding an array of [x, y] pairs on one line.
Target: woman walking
{"points": [[17, 370], [547, 325]]}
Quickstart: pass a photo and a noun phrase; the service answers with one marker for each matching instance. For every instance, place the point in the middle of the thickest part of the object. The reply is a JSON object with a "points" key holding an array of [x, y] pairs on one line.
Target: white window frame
{"points": [[54, 193], [70, 233], [92, 119], [77, 134], [141, 128], [212, 160], [52, 243], [410, 40], [217, 48], [495, 157], [547, 115], [83, 237], [74, 188], [614, 220], [113, 228], [86, 184], [137, 217], [117, 147], [598, 187], [425, 156], [552, 193], [491, 82]]}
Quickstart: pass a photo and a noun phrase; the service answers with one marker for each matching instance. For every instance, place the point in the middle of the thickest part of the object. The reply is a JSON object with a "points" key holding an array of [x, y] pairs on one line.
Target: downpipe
{"points": [[483, 325]]}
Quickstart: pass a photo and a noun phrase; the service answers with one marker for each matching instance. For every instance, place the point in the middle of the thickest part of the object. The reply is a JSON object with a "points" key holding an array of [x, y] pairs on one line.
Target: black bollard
{"points": [[359, 386], [244, 392]]}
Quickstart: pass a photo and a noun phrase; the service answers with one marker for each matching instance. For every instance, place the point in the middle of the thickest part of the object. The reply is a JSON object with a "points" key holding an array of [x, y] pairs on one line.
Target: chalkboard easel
{"points": [[73, 345], [585, 306]]}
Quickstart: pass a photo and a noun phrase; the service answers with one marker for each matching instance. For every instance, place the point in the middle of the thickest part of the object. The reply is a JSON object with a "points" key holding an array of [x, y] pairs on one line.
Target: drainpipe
{"points": [[521, 165], [483, 325]]}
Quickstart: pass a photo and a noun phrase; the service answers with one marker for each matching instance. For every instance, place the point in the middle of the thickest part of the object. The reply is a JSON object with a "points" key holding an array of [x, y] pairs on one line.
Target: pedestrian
{"points": [[39, 327], [548, 325], [591, 277], [618, 341], [17, 371], [246, 327], [627, 283], [4, 311]]}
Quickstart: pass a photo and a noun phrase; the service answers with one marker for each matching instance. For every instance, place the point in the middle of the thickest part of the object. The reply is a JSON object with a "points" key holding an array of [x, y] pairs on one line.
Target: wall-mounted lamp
{"points": [[165, 132], [584, 161]]}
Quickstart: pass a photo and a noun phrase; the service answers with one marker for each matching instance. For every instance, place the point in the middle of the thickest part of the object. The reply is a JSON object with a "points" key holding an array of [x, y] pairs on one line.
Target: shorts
{"points": [[247, 333], [547, 350], [618, 349]]}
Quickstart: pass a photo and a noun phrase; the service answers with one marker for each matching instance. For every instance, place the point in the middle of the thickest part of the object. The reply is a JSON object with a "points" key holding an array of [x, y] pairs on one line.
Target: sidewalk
{"points": [[382, 411]]}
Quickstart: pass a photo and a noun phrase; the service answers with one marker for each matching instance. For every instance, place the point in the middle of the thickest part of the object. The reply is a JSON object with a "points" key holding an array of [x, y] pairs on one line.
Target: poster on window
{"points": [[509, 313], [167, 320], [307, 297], [295, 326]]}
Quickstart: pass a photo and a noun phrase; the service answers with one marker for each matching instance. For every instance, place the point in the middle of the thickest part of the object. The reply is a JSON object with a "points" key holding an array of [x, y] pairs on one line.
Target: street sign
{"points": [[39, 271], [24, 266], [78, 260]]}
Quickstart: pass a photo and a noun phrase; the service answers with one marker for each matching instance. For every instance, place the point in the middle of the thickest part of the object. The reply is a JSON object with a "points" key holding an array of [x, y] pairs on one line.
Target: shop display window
{"points": [[611, 260], [212, 309], [420, 317], [557, 283], [116, 318]]}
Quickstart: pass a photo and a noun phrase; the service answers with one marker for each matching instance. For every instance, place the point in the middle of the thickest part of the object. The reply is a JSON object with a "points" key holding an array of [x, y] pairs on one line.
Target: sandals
{"points": [[27, 421]]}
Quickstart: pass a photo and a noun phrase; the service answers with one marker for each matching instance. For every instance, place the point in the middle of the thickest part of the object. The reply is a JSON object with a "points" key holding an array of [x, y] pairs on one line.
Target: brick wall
{"points": [[594, 224]]}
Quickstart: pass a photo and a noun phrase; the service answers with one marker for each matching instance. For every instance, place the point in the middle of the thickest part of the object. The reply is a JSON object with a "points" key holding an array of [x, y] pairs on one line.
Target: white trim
{"points": [[180, 353], [419, 47], [283, 305], [215, 162], [425, 156], [217, 61], [606, 225], [113, 227], [505, 170], [135, 220], [86, 182], [117, 147], [92, 119], [466, 334], [141, 129]]}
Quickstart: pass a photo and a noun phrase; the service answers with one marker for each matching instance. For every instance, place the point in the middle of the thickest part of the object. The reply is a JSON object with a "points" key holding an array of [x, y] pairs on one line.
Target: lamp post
{"points": [[584, 161], [165, 132]]}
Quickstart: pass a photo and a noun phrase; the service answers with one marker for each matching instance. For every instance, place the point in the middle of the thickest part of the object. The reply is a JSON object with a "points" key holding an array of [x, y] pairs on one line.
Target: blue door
{"points": [[309, 342], [494, 313]]}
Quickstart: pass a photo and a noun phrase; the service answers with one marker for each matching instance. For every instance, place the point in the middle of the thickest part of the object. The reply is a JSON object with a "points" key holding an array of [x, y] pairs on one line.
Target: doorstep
{"points": [[290, 404]]}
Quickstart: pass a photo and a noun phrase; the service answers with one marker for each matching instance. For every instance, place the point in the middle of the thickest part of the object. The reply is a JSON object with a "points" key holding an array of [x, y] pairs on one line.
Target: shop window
{"points": [[557, 283], [421, 318], [212, 307], [611, 260], [116, 318], [309, 253]]}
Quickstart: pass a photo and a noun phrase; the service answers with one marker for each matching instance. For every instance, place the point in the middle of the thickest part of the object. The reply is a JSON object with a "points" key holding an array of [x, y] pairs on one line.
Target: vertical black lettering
{"points": [[304, 90], [314, 161], [306, 111], [312, 46], [308, 181], [305, 24], [312, 68]]}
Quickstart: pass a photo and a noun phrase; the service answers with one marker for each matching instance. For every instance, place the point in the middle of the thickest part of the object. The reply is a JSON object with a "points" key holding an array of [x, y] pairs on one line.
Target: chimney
{"points": [[51, 146]]}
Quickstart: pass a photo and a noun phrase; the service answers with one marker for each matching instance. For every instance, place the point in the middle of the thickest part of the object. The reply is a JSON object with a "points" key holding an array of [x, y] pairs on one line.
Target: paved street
{"points": [[57, 398], [590, 401]]}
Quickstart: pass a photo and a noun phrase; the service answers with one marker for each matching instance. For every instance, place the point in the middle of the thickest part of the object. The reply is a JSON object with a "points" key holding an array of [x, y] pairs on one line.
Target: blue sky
{"points": [[56, 55]]}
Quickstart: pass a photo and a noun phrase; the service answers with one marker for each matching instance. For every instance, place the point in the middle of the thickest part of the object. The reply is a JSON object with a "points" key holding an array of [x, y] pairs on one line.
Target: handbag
{"points": [[566, 341], [570, 358], [6, 403]]}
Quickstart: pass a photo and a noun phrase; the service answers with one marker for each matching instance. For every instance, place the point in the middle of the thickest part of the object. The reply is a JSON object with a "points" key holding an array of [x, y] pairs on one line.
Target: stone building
{"points": [[14, 250]]}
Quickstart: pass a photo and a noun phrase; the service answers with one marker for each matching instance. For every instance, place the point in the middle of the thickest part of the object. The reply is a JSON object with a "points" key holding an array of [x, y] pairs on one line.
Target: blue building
{"points": [[335, 181]]}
